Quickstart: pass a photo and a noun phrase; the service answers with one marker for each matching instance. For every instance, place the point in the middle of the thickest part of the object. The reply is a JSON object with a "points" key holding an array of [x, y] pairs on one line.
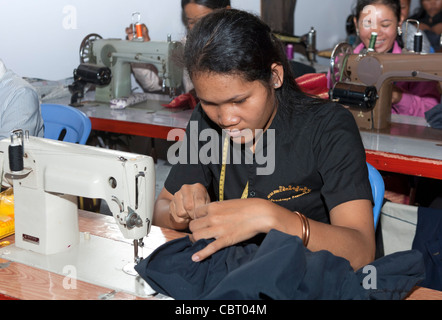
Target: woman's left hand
{"points": [[229, 222], [396, 95]]}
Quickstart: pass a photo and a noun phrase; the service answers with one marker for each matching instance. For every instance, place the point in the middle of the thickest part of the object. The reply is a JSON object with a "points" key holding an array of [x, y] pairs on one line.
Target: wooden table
{"points": [[20, 281]]}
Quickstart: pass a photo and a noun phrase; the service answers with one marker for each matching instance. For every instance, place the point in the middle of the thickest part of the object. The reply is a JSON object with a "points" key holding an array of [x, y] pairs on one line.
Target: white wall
{"points": [[41, 38]]}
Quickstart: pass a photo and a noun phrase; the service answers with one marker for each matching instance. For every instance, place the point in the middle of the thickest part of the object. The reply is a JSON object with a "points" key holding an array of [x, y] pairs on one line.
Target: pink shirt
{"points": [[417, 97]]}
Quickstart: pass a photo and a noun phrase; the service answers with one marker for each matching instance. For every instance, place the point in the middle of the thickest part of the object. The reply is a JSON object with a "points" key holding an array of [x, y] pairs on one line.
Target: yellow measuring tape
{"points": [[222, 178]]}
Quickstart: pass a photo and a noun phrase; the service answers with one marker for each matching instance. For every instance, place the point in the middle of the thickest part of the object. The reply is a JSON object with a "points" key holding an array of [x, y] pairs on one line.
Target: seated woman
{"points": [[430, 17], [410, 29], [19, 105], [383, 17], [300, 163]]}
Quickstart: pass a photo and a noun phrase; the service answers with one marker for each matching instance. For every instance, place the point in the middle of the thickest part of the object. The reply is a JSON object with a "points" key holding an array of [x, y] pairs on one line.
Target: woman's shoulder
{"points": [[320, 113]]}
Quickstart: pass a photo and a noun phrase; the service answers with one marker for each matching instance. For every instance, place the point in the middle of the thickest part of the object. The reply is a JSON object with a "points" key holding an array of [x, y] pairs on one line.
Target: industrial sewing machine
{"points": [[364, 81], [109, 66], [47, 176]]}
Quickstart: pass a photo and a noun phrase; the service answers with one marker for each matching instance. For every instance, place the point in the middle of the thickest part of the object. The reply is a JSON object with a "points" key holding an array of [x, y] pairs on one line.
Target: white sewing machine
{"points": [[52, 175]]}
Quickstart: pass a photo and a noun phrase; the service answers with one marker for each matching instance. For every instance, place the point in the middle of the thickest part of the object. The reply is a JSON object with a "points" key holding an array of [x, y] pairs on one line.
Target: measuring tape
{"points": [[222, 178]]}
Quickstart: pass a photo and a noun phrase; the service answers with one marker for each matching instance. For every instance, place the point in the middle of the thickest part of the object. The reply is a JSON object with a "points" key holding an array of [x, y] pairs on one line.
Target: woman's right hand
{"points": [[184, 202], [130, 32]]}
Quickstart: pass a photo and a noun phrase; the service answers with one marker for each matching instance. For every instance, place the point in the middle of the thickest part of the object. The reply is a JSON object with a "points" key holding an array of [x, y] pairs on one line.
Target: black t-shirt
{"points": [[317, 156]]}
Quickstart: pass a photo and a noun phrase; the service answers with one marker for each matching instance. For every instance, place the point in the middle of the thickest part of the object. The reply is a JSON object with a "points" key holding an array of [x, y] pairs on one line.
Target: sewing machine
{"points": [[117, 55], [54, 173], [47, 176], [306, 44], [364, 81]]}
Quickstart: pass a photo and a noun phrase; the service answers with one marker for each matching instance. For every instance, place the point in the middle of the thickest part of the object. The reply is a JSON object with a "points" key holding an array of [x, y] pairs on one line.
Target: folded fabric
{"points": [[186, 101], [434, 116], [314, 84], [278, 268], [428, 240]]}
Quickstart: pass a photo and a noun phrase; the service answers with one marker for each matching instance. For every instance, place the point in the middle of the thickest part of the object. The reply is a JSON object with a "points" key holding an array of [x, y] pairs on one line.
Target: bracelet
{"points": [[305, 228]]}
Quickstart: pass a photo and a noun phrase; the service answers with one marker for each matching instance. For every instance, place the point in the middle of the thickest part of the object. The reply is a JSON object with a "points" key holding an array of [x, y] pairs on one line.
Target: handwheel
{"points": [[337, 61], [86, 46]]}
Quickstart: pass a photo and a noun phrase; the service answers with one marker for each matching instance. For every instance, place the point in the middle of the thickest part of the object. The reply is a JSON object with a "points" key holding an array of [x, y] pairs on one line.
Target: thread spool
{"points": [[139, 30], [372, 44], [418, 40], [289, 51], [137, 27], [15, 151]]}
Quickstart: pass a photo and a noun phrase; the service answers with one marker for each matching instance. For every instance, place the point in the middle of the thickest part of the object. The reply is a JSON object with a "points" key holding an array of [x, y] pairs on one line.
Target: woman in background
{"points": [[192, 11], [383, 17], [430, 17], [410, 29]]}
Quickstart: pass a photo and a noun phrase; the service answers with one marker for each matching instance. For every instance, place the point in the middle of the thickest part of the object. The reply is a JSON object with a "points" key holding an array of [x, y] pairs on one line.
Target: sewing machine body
{"points": [[381, 70], [305, 44], [118, 54], [55, 173]]}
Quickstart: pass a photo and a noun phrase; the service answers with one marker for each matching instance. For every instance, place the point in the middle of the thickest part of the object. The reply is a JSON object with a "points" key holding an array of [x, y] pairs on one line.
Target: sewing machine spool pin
{"points": [[418, 37], [137, 27]]}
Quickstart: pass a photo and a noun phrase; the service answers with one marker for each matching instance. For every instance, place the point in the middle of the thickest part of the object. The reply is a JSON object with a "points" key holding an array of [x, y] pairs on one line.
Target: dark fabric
{"points": [[428, 240], [279, 268], [434, 116], [317, 154], [299, 69]]}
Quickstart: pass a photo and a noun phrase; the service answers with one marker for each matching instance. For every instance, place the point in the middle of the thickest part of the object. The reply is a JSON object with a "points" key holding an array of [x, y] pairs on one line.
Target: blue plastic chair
{"points": [[378, 190], [65, 123]]}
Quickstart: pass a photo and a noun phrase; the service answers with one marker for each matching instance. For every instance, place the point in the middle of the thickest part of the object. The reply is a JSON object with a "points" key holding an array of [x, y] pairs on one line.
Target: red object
{"points": [[314, 84], [185, 101]]}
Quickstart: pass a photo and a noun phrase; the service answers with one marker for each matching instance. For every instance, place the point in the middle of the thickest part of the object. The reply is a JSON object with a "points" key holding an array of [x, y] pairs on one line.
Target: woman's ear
{"points": [[277, 75]]}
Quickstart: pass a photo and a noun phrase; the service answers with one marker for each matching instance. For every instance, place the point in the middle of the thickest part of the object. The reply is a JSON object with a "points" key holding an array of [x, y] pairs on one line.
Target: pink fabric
{"points": [[417, 97]]}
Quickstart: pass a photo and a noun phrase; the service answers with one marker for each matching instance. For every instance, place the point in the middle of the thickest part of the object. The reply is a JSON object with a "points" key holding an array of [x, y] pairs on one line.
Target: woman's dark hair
{"points": [[419, 12], [211, 4], [235, 42], [394, 5]]}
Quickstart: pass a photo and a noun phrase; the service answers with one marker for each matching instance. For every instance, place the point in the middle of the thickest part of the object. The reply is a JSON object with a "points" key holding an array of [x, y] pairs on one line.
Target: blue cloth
{"points": [[279, 268], [428, 240], [434, 116]]}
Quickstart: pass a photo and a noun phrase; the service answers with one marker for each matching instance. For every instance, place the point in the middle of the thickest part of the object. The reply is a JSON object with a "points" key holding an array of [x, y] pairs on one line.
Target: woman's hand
{"points": [[229, 222], [396, 95], [130, 32], [186, 201]]}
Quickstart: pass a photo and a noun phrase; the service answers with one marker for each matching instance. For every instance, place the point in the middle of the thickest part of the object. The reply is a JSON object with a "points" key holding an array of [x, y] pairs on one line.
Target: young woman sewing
{"points": [[318, 188]]}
